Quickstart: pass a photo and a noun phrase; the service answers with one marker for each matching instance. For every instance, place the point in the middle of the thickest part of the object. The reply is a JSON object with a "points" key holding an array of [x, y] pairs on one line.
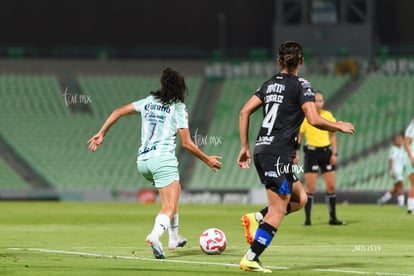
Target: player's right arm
{"points": [[391, 168], [316, 120], [98, 138], [407, 142], [245, 156], [186, 142]]}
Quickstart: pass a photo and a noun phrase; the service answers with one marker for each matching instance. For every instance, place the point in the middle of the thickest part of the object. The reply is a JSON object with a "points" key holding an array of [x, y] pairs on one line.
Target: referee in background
{"points": [[320, 150]]}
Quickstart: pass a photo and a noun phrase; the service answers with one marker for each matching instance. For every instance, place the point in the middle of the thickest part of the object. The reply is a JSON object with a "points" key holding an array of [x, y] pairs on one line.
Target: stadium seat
{"points": [[52, 139], [380, 108], [37, 122], [234, 94]]}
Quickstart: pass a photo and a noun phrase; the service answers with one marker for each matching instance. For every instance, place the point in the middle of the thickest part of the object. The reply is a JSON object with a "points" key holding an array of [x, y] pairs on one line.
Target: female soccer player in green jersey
{"points": [[163, 114]]}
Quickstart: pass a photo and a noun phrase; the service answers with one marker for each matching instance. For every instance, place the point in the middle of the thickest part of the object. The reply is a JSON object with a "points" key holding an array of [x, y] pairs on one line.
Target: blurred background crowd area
{"points": [[64, 66]]}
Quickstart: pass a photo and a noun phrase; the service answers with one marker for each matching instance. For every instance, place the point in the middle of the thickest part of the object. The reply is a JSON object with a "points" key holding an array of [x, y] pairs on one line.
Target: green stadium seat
{"points": [[10, 180], [380, 108], [234, 94], [38, 124], [53, 139]]}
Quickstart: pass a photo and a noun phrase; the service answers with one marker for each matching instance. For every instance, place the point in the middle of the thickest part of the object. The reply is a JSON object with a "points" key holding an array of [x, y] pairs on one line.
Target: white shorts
{"points": [[398, 176], [409, 168]]}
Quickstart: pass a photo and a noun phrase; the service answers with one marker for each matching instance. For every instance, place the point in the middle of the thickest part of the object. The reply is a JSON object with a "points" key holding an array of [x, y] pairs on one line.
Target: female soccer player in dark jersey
{"points": [[285, 100]]}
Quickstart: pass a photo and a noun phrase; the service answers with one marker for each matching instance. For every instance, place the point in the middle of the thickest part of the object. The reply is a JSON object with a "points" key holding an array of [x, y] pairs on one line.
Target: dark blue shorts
{"points": [[276, 172]]}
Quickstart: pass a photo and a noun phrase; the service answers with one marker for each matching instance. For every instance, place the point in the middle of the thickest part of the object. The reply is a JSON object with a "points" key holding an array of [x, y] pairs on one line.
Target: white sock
{"points": [[387, 196], [401, 199], [173, 230], [162, 223], [250, 255], [410, 203], [258, 216]]}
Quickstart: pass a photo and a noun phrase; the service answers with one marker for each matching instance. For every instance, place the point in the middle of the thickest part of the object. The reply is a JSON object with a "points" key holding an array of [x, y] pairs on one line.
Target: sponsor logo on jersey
{"points": [[309, 92], [271, 174], [305, 83], [163, 108], [154, 117], [147, 149], [275, 87], [264, 140]]}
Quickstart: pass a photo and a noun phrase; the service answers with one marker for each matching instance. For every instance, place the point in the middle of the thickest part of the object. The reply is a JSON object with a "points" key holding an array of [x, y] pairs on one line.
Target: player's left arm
{"points": [[316, 120], [98, 138], [211, 160]]}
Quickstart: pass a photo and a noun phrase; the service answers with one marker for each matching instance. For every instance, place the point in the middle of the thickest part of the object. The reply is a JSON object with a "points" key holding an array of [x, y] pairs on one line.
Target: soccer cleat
{"points": [[307, 222], [179, 243], [250, 225], [336, 222], [156, 247], [252, 266]]}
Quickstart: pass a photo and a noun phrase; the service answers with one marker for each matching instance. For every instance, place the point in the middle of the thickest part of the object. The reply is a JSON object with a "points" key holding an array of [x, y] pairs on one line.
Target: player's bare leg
{"points": [[175, 240], [410, 200], [250, 221], [169, 205], [298, 198], [399, 190], [169, 196]]}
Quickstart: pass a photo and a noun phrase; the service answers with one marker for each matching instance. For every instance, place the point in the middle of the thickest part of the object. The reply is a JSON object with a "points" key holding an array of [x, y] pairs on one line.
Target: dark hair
{"points": [[290, 55], [173, 88]]}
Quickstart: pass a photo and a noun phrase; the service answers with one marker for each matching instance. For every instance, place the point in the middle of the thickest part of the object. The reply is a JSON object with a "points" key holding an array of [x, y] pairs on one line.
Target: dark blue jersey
{"points": [[282, 97]]}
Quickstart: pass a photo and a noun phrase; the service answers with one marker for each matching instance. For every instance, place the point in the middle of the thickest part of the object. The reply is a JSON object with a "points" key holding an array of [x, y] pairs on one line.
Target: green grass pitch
{"points": [[51, 238]]}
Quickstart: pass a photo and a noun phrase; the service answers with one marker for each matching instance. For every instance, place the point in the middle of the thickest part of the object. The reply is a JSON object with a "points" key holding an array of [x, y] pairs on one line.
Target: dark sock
{"points": [[331, 202], [264, 211], [308, 207], [262, 239]]}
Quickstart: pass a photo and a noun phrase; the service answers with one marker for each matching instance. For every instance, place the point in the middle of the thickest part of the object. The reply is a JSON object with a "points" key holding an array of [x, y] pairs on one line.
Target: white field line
{"points": [[97, 255]]}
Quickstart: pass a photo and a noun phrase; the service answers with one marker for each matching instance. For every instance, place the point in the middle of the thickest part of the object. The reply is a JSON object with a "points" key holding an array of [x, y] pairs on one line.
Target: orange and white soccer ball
{"points": [[213, 241]]}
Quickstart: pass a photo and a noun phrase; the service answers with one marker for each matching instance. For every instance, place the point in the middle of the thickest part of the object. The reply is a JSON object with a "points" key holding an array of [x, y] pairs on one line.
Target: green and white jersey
{"points": [[159, 126], [409, 132], [397, 154]]}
